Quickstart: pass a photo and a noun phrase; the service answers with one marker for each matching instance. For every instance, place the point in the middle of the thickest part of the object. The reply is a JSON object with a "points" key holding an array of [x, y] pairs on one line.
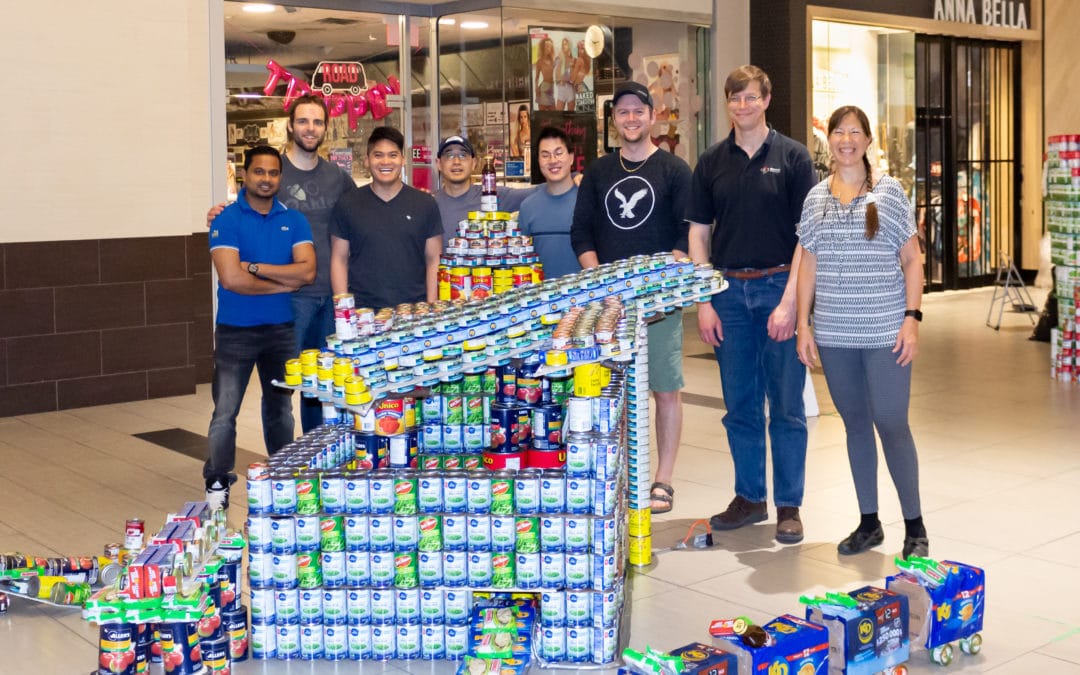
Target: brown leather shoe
{"points": [[740, 512], [789, 528]]}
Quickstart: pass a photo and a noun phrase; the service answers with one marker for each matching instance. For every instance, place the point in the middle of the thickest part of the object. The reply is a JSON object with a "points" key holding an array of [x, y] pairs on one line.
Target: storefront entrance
{"points": [[966, 149]]}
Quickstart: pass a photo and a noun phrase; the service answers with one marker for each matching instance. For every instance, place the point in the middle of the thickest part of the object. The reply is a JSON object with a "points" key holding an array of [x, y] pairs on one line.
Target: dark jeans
{"points": [[753, 366], [237, 350], [314, 320]]}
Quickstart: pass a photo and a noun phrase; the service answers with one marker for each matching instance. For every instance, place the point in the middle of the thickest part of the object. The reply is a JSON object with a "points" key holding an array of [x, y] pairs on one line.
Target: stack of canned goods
{"points": [[488, 256], [580, 626], [639, 515]]}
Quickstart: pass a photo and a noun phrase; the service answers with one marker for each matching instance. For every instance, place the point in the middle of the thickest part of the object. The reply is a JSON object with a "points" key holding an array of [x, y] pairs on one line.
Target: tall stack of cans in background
{"points": [[639, 513], [488, 256], [381, 564], [1063, 222]]}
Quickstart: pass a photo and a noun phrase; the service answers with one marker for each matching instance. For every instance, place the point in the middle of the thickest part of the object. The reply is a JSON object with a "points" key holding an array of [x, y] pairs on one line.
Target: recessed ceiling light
{"points": [[447, 21], [474, 25], [259, 7]]}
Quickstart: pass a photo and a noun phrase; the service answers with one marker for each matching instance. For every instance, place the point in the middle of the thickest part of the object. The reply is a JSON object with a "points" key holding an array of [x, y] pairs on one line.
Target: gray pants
{"points": [[870, 391]]}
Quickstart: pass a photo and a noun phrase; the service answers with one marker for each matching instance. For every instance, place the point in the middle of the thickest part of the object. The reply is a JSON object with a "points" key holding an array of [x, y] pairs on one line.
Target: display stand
{"points": [[1009, 288]]}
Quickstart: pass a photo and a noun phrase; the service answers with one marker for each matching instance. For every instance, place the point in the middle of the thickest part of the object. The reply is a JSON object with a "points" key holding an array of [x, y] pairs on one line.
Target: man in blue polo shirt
{"points": [[745, 201], [262, 251]]}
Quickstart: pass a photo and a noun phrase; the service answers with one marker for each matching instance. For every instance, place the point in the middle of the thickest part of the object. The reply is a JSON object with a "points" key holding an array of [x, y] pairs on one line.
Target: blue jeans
{"points": [[753, 366], [236, 351], [314, 320]]}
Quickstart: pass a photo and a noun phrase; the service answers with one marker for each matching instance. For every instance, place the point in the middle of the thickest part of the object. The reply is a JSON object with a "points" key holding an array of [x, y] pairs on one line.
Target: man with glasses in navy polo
{"points": [[745, 202]]}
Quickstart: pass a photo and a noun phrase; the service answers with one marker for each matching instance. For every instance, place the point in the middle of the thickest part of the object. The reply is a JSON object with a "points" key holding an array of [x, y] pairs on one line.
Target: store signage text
{"points": [[1002, 13], [355, 106]]}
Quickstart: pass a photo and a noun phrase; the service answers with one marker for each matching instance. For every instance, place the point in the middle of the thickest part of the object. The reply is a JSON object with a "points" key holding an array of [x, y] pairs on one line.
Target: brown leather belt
{"points": [[756, 274]]}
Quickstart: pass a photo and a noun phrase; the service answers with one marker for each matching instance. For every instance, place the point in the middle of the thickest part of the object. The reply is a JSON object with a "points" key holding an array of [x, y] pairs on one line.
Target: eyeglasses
{"points": [[451, 156], [748, 98], [558, 154]]}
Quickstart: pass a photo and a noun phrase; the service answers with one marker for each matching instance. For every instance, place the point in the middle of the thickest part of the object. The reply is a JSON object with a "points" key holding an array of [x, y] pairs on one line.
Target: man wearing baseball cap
{"points": [[458, 194], [630, 203]]}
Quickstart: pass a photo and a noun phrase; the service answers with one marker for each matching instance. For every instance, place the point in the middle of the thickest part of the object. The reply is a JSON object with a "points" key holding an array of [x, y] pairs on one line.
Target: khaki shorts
{"points": [[665, 353]]}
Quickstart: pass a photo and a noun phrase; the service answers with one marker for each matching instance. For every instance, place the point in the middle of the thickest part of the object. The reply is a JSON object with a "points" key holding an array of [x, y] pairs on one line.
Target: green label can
{"points": [[502, 570], [406, 574], [405, 494], [331, 533], [430, 533], [502, 494], [308, 570], [527, 538], [473, 383], [307, 493]]}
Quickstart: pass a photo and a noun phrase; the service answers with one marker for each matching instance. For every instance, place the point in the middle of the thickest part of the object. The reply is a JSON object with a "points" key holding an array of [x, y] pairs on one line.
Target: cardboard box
{"points": [[868, 638], [701, 659], [796, 647]]}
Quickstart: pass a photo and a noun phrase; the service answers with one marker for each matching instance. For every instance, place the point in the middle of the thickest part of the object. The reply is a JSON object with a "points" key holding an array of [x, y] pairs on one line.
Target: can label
{"points": [[527, 534], [405, 495], [407, 606], [381, 533], [472, 438], [263, 608], [307, 494], [431, 440], [332, 493], [408, 641], [579, 413], [474, 410], [308, 532], [552, 533], [357, 537], [335, 606], [285, 570], [454, 493], [383, 642], [451, 438], [553, 643], [260, 569], [430, 493], [260, 493], [430, 533], [527, 493], [605, 608], [332, 530], [335, 642], [457, 642], [308, 570], [603, 536], [432, 605], [640, 550], [553, 569], [260, 534], [479, 493], [358, 606], [311, 606], [406, 533], [502, 494], [553, 493], [639, 522], [263, 641], [357, 568], [547, 422], [453, 409], [433, 642], [454, 532], [359, 639], [334, 568], [287, 606], [382, 569], [357, 498], [383, 606], [455, 568], [381, 491], [577, 534], [606, 458], [479, 532], [503, 534], [116, 647], [457, 604], [579, 455], [553, 608], [578, 495], [605, 494], [578, 645], [578, 608], [527, 570], [284, 488], [578, 571], [406, 574], [503, 573], [603, 571], [288, 641], [479, 569]]}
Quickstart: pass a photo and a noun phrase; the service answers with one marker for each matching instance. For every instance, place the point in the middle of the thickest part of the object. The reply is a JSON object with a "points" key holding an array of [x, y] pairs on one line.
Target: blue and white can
{"points": [[579, 495], [383, 606], [578, 570], [335, 607], [283, 535], [605, 608], [455, 569], [407, 605], [457, 642], [552, 533], [429, 568], [263, 641], [479, 569], [579, 455], [432, 607], [283, 485], [260, 570], [527, 492], [263, 606], [527, 570], [455, 492], [607, 411], [503, 533], [381, 490], [579, 608], [431, 436], [310, 606], [357, 495], [606, 458], [552, 491], [433, 642], [384, 642], [260, 534], [553, 569], [357, 568], [605, 494], [605, 644], [408, 641], [430, 492], [479, 532], [335, 642], [553, 643], [382, 569], [308, 534], [311, 642], [359, 641], [457, 603], [288, 641], [332, 492], [478, 492], [553, 608], [603, 572], [358, 605], [579, 644], [381, 533], [578, 537], [334, 568], [603, 536], [406, 533], [455, 532], [357, 535], [287, 606]]}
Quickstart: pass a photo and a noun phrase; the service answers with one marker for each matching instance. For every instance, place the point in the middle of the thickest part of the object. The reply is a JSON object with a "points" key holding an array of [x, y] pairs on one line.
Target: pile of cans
{"points": [[1063, 223]]}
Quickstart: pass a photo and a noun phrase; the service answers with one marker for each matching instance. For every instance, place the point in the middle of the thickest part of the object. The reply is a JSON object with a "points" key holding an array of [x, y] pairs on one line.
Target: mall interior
{"points": [[107, 303]]}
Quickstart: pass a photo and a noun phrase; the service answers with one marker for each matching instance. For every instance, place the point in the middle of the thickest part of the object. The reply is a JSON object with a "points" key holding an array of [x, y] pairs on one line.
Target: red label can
{"points": [[134, 533]]}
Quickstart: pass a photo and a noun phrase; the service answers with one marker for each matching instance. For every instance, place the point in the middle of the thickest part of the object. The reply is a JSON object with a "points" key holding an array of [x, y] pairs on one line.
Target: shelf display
{"points": [[1063, 222]]}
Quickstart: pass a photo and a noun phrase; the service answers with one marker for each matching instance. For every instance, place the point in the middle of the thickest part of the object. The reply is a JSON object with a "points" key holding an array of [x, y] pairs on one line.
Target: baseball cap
{"points": [[635, 88], [455, 140]]}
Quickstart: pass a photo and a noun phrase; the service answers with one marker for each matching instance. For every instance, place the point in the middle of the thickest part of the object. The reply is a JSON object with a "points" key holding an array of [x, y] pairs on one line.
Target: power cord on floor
{"points": [[691, 540]]}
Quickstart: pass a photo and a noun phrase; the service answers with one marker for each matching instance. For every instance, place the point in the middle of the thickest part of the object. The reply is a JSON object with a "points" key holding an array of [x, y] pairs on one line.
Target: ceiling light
{"points": [[447, 21], [259, 7], [247, 95], [474, 25]]}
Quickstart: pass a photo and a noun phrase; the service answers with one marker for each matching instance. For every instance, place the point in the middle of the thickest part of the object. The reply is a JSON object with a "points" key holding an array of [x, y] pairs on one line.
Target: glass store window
{"points": [[505, 73], [349, 58]]}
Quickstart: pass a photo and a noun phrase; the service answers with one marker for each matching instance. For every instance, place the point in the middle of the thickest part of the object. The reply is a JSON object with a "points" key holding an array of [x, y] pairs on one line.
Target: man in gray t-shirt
{"points": [[458, 195]]}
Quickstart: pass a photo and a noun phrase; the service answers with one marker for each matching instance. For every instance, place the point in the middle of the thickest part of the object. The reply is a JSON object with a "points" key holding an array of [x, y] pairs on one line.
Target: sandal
{"points": [[666, 497]]}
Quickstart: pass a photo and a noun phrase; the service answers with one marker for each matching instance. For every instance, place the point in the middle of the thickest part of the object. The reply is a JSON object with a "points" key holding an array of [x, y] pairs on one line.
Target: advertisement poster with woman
{"points": [[562, 72]]}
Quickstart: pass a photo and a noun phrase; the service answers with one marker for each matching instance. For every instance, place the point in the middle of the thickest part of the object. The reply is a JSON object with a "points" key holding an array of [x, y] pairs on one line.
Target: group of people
{"points": [[825, 272]]}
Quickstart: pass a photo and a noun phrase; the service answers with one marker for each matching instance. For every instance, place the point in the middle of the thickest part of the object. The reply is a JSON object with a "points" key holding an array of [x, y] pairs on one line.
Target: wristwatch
{"points": [[253, 268], [914, 314]]}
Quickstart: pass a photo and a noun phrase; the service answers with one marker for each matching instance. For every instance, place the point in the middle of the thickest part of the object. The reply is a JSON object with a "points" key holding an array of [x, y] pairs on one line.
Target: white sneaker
{"points": [[217, 495]]}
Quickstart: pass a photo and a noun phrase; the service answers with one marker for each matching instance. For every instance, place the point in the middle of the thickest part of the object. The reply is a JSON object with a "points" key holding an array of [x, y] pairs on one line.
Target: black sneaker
{"points": [[217, 494], [740, 511], [918, 547], [859, 541]]}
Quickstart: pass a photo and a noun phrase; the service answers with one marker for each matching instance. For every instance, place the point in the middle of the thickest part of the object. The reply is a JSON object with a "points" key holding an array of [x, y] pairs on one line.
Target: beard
{"points": [[306, 145]]}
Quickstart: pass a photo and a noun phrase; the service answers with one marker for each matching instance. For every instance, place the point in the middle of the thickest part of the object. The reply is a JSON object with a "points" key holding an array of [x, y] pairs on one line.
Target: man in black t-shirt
{"points": [[747, 198], [631, 202], [386, 237]]}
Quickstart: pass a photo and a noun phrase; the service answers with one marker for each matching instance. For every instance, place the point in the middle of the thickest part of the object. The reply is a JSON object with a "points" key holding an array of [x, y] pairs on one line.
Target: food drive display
{"points": [[505, 483]]}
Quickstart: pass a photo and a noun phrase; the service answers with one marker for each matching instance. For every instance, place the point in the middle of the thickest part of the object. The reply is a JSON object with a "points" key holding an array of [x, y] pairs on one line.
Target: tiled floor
{"points": [[1000, 464]]}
